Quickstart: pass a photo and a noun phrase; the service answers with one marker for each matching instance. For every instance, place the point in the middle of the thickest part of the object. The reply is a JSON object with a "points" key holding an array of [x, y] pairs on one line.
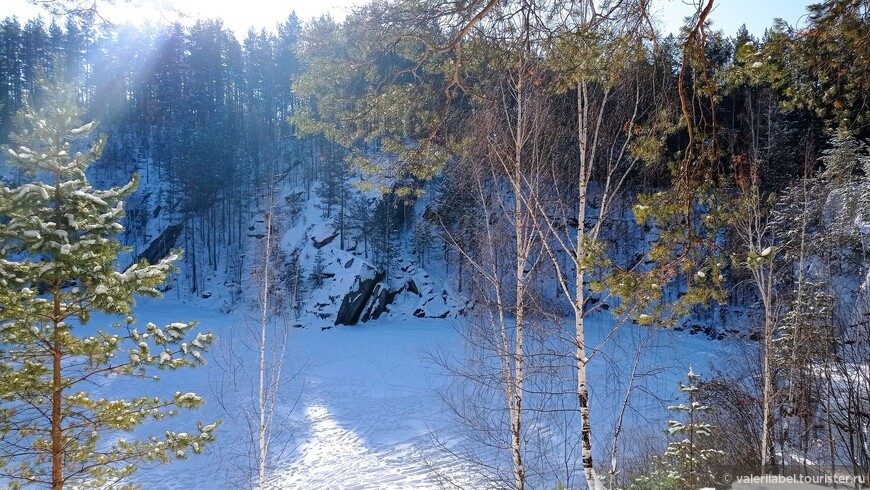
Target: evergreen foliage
{"points": [[294, 282], [360, 219], [334, 189], [317, 269], [687, 462], [356, 95], [58, 266], [825, 68], [384, 224], [847, 174]]}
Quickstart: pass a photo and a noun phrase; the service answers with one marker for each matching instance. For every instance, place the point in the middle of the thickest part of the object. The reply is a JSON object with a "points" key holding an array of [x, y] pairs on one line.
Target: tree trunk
{"points": [[522, 243], [579, 293], [193, 288], [57, 449], [768, 455], [261, 467]]}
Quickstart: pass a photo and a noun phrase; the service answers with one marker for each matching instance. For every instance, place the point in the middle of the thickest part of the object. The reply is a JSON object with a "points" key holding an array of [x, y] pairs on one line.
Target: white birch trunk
{"points": [[262, 389]]}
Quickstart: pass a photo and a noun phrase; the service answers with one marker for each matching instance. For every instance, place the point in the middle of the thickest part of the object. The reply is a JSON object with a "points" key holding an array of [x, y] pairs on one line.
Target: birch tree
{"points": [[506, 254], [253, 393], [756, 235], [609, 104]]}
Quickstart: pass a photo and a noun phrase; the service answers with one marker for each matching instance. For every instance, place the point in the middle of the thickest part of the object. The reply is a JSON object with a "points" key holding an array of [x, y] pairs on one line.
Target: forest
{"points": [[567, 170]]}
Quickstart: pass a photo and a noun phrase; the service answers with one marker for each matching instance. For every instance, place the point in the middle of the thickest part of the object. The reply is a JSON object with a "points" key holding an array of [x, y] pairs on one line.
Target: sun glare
{"points": [[238, 16]]}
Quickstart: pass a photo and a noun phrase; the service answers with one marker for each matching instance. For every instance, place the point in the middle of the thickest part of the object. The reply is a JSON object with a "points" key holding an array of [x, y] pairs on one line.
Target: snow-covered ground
{"points": [[369, 402], [364, 401], [358, 412]]}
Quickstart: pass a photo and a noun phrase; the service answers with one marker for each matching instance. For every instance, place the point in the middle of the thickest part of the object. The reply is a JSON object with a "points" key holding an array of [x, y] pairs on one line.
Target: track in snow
{"points": [[337, 457]]}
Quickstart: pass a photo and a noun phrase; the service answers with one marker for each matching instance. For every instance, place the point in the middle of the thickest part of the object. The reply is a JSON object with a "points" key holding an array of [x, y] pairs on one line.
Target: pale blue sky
{"points": [[729, 15], [238, 15]]}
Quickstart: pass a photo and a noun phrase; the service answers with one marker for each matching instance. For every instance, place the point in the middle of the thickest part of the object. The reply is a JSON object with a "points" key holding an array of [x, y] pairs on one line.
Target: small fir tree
{"points": [[295, 281], [687, 462], [334, 186], [360, 219], [383, 228], [424, 237], [58, 266], [317, 269], [847, 175]]}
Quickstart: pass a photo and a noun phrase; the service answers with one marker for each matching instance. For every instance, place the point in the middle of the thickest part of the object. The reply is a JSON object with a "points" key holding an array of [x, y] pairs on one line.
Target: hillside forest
{"points": [[546, 175]]}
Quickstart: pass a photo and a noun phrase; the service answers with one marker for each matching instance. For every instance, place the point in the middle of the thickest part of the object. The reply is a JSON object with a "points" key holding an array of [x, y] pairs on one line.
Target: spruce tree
{"points": [[687, 462], [360, 219], [58, 266], [318, 267], [334, 186]]}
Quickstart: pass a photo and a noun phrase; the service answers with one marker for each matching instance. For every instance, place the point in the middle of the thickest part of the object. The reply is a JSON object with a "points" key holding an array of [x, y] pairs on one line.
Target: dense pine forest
{"points": [[562, 183]]}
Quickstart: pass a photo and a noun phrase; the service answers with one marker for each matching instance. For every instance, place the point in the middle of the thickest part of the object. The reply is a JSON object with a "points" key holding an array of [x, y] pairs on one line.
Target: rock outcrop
{"points": [[354, 303], [380, 299], [324, 241], [161, 247]]}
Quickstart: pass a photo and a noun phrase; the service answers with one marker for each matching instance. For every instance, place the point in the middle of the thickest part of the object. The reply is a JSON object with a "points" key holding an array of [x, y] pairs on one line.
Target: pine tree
{"points": [[383, 227], [10, 72], [423, 240], [295, 284], [847, 174], [334, 190], [823, 67], [687, 461], [318, 267], [58, 266], [360, 219]]}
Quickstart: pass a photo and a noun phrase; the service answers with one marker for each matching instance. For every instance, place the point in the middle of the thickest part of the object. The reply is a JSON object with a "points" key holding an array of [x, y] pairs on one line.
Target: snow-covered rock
{"points": [[161, 246], [355, 301], [323, 236]]}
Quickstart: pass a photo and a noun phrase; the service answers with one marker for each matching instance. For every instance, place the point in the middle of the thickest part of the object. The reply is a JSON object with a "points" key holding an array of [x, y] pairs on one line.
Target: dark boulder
{"points": [[412, 287], [326, 241], [354, 303], [161, 247], [381, 298]]}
